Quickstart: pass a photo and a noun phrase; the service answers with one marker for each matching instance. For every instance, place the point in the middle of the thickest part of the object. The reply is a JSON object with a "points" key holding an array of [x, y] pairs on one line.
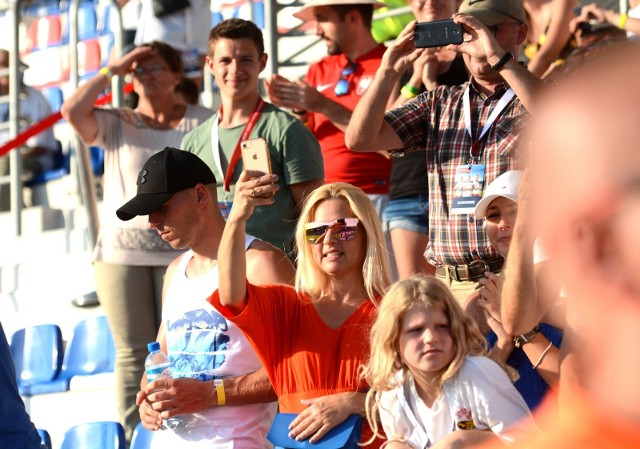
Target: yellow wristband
{"points": [[407, 93], [622, 20], [219, 384], [106, 72]]}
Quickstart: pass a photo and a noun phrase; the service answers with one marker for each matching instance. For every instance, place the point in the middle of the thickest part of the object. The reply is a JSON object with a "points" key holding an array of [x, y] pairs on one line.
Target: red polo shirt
{"points": [[369, 171]]}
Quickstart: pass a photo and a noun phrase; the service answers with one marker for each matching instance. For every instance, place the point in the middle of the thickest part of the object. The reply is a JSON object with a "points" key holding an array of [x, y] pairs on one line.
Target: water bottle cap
{"points": [[153, 346]]}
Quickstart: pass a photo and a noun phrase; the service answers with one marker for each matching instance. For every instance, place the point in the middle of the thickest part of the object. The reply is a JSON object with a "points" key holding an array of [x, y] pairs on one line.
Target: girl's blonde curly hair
{"points": [[385, 362]]}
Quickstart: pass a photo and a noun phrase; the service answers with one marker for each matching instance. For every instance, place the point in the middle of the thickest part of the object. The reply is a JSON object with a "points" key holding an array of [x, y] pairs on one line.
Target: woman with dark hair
{"points": [[130, 259]]}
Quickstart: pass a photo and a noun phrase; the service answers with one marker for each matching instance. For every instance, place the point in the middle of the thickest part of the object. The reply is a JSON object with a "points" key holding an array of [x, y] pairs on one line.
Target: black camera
{"points": [[592, 27]]}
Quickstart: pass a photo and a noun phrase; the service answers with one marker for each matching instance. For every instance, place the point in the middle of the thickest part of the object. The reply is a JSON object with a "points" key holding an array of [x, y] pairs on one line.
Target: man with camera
{"points": [[465, 130]]}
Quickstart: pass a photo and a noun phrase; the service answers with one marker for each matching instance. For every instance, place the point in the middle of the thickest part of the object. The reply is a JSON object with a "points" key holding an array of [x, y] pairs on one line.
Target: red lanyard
{"points": [[253, 119]]}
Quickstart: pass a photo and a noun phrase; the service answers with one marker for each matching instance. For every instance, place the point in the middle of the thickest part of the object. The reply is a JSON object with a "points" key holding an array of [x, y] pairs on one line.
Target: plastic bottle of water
{"points": [[157, 365]]}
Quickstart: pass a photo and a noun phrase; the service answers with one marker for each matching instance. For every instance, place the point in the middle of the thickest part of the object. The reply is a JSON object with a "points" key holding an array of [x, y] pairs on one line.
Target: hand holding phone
{"points": [[438, 33], [255, 156]]}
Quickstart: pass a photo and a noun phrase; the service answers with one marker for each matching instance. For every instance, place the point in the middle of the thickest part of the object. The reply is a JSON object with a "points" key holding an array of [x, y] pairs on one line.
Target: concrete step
{"points": [[45, 268]]}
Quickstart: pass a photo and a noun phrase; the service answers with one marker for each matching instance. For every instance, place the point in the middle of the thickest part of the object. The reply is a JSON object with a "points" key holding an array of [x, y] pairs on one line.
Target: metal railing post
{"points": [[15, 166], [117, 82], [271, 36], [85, 172]]}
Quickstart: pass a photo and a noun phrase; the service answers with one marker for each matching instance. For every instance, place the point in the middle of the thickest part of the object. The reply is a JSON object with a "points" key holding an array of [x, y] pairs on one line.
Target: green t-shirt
{"points": [[295, 158]]}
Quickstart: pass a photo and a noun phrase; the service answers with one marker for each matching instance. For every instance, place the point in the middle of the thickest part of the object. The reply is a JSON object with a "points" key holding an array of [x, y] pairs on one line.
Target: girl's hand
{"points": [[489, 299], [321, 415], [252, 189], [504, 339]]}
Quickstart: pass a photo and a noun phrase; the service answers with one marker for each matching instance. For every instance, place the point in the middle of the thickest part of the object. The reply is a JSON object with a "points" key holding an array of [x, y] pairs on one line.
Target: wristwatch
{"points": [[522, 340]]}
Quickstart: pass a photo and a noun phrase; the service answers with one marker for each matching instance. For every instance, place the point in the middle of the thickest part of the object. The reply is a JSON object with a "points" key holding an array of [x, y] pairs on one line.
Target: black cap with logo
{"points": [[164, 174]]}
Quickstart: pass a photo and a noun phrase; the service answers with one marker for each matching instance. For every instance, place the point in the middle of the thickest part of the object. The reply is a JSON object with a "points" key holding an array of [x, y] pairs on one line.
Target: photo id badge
{"points": [[225, 208], [467, 188]]}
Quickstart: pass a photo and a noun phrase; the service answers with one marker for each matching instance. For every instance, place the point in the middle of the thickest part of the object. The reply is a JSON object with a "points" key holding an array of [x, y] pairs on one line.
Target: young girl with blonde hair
{"points": [[429, 376]]}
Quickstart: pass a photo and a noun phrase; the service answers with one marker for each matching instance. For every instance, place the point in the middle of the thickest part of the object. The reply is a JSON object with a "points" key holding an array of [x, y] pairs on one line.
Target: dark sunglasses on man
{"points": [[343, 85]]}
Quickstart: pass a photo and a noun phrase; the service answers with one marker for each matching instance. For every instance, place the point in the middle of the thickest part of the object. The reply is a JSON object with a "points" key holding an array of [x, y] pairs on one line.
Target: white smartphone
{"points": [[255, 155]]}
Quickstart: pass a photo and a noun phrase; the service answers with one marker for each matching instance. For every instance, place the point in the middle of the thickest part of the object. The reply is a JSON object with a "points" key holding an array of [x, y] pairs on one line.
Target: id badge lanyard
{"points": [[497, 110], [216, 150]]}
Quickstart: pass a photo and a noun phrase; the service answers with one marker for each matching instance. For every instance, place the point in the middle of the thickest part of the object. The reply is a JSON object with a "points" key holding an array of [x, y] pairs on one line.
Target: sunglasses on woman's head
{"points": [[342, 229]]}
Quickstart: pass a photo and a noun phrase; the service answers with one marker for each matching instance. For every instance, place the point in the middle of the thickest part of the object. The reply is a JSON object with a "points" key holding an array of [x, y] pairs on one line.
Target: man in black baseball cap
{"points": [[164, 174], [178, 192]]}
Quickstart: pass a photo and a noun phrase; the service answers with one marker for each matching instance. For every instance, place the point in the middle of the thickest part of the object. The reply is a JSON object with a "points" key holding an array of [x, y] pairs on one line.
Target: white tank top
{"points": [[200, 342]]}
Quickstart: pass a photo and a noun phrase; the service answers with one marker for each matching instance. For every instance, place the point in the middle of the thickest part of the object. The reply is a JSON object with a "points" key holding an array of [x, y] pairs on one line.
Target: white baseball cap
{"points": [[505, 185]]}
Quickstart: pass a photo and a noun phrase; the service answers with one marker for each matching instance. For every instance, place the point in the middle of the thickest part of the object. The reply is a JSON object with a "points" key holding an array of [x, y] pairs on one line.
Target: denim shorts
{"points": [[410, 213]]}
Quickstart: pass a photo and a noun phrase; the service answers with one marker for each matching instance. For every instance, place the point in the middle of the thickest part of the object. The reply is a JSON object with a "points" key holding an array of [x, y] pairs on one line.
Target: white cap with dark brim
{"points": [[506, 185]]}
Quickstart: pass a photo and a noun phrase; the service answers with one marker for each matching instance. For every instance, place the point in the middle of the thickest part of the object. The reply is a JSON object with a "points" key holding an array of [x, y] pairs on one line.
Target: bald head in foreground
{"points": [[586, 204]]}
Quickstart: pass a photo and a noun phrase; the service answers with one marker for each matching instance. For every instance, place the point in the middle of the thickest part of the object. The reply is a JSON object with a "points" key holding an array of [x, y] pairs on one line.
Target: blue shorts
{"points": [[410, 213]]}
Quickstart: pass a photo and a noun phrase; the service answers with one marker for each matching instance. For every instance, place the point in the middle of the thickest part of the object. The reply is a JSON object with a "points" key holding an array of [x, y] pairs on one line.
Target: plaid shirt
{"points": [[434, 121]]}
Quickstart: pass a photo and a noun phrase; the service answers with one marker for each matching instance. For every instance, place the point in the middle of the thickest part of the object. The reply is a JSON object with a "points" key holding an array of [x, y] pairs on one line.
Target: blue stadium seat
{"points": [[60, 169], [40, 8], [54, 96], [95, 435], [37, 353], [87, 22], [97, 160], [91, 350], [258, 14], [141, 438], [45, 437], [216, 18]]}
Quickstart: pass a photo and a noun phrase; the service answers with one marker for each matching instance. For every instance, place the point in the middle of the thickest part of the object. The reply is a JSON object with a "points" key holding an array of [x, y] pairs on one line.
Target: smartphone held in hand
{"points": [[255, 155], [438, 33]]}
